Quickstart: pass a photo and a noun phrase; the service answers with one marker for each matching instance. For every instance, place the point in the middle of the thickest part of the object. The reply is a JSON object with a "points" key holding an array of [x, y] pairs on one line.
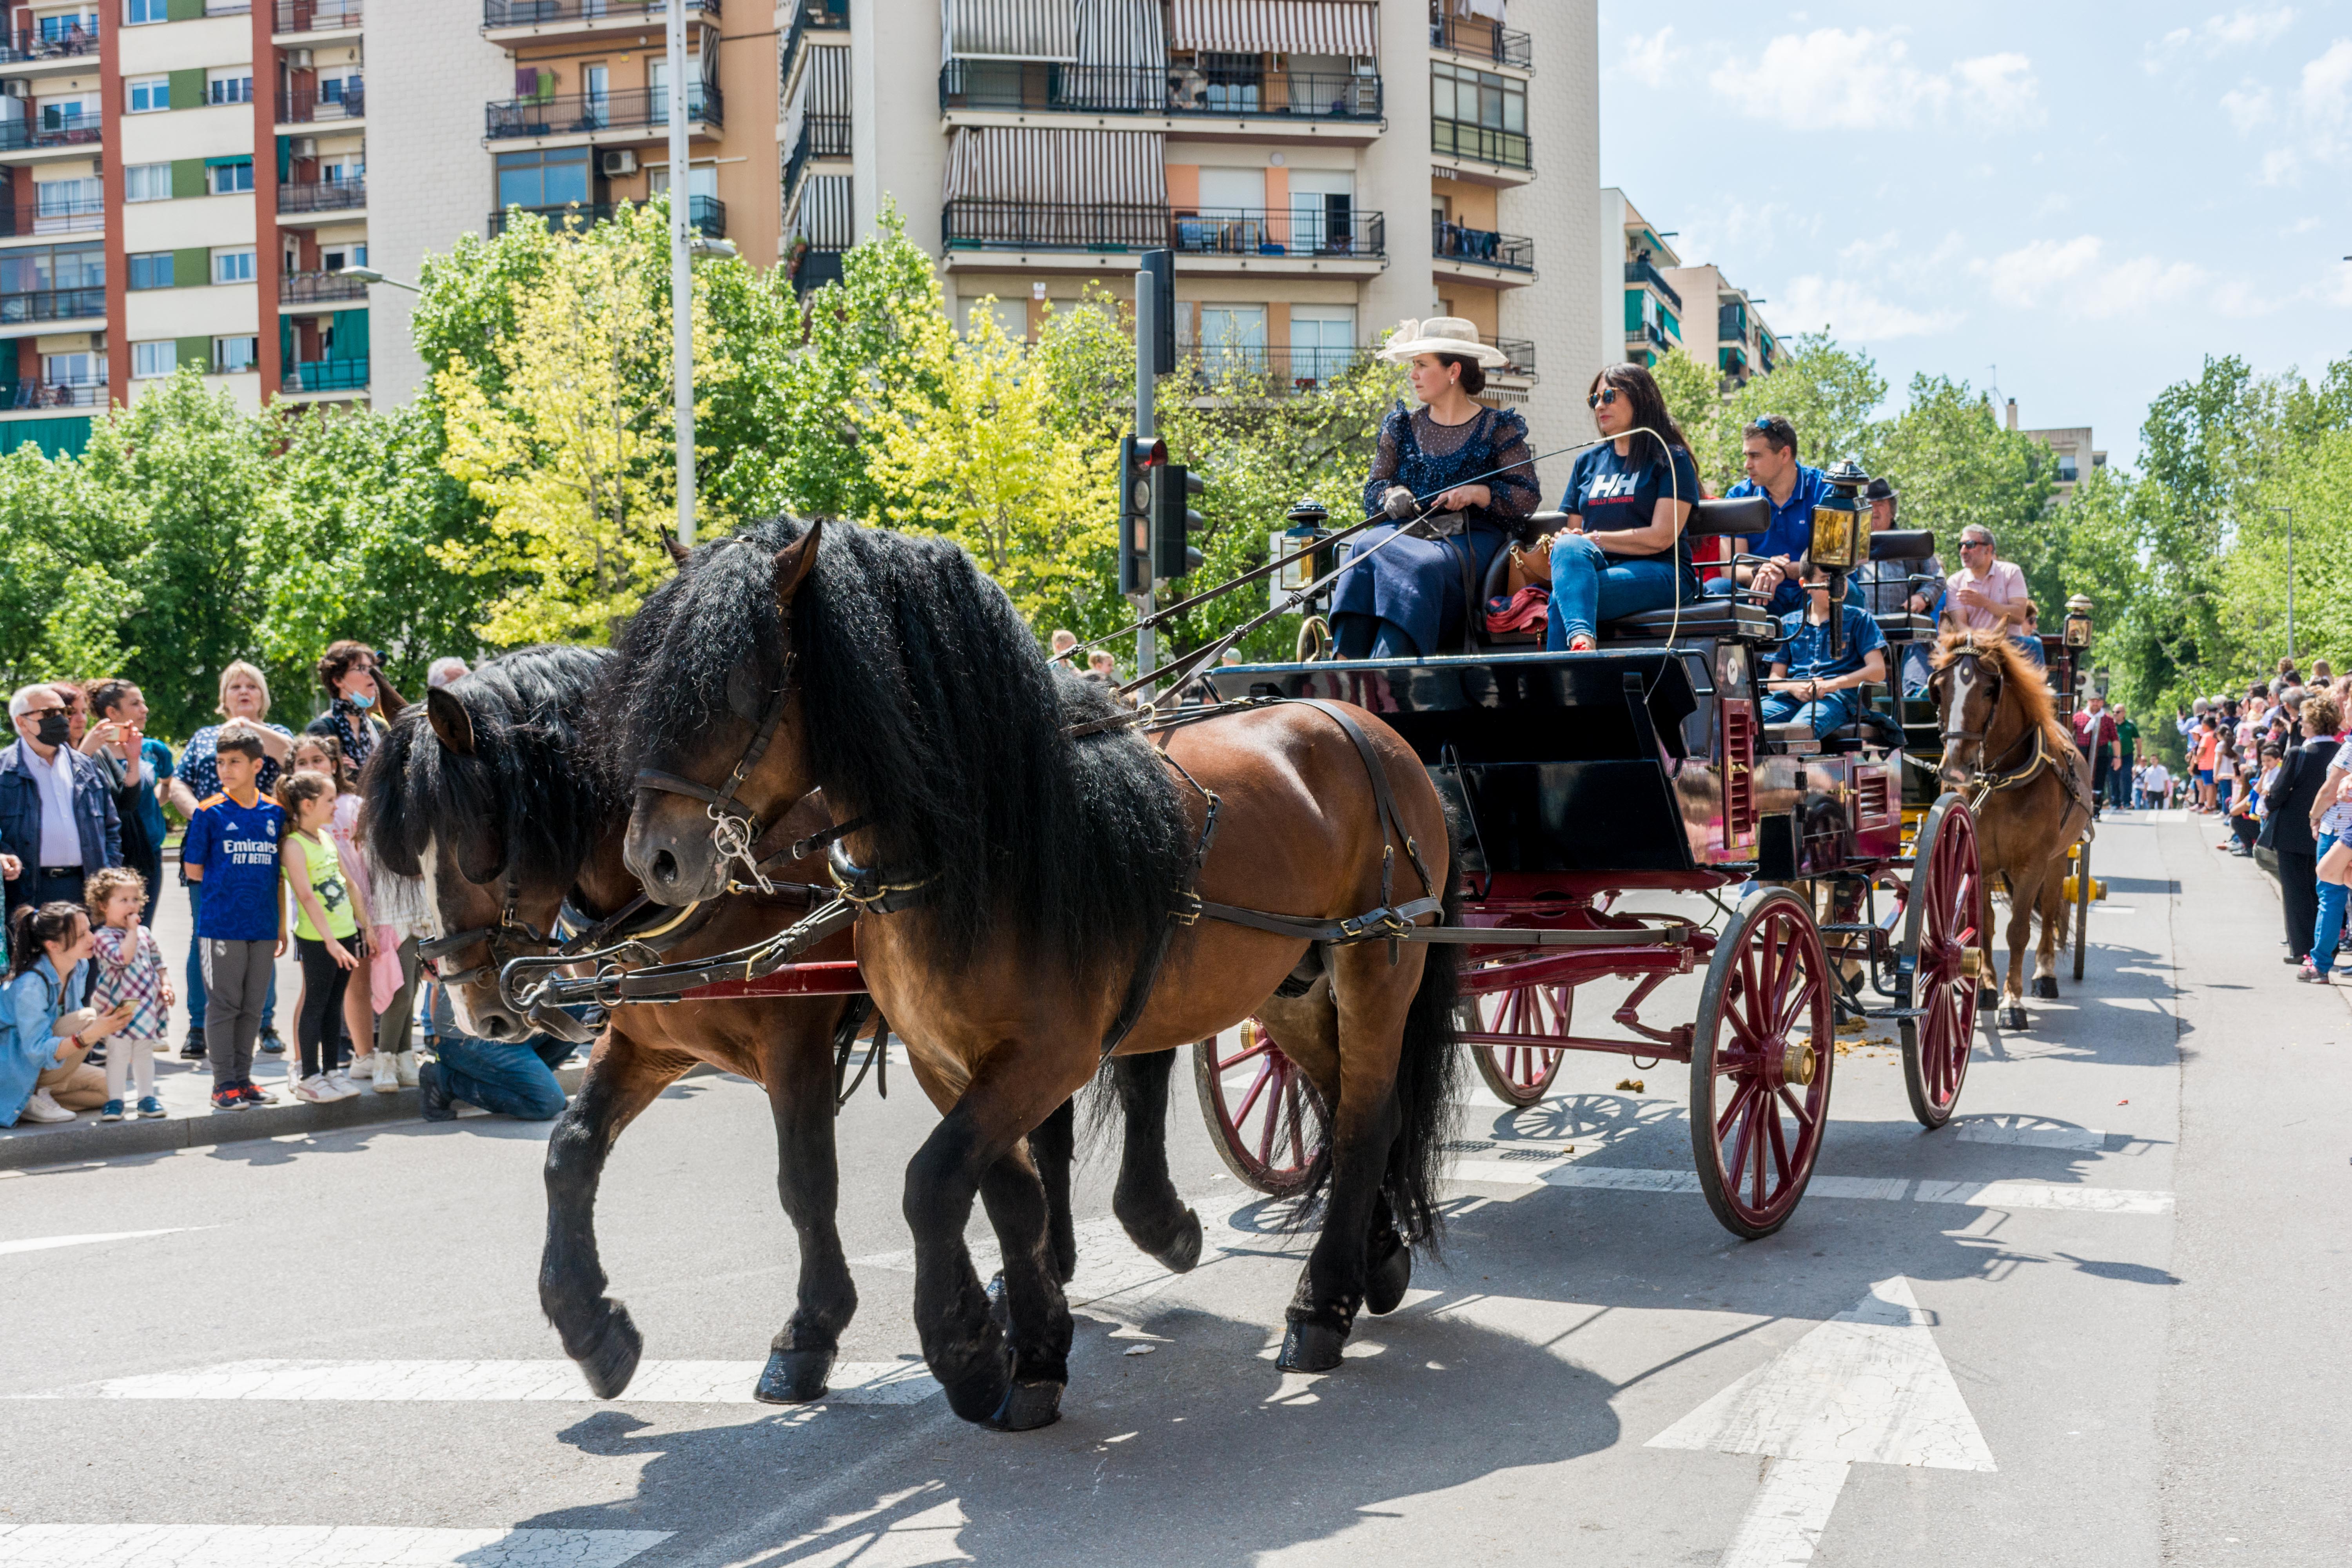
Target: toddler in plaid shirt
{"points": [[130, 969]]}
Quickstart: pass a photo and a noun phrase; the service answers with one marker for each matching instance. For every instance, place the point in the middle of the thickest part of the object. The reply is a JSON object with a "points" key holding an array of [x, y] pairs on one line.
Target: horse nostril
{"points": [[495, 1027], [665, 868]]}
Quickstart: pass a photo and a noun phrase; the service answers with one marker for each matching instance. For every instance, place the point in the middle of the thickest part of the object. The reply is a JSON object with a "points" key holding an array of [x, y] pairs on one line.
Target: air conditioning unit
{"points": [[16, 87], [619, 164], [304, 147], [300, 59]]}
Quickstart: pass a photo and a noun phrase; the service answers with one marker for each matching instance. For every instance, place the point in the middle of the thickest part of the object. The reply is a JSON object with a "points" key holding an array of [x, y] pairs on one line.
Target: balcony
{"points": [[67, 45], [44, 215], [311, 108], [296, 197], [53, 305], [318, 15], [809, 17], [1093, 227], [1522, 353], [708, 213], [1178, 90], [548, 20], [1480, 143], [1642, 272], [821, 136], [88, 394], [1274, 232], [1652, 335], [1482, 249], [634, 109], [1484, 40], [1252, 370], [328, 375], [64, 131], [318, 287]]}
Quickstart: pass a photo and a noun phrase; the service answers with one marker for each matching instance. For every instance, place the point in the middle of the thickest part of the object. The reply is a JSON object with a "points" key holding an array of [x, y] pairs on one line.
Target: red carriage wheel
{"points": [[1518, 1068], [1264, 1115], [1761, 1058], [1947, 910]]}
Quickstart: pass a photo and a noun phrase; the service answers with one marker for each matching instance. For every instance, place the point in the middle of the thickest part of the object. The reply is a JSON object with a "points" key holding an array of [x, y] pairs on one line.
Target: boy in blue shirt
{"points": [[1804, 683], [232, 848]]}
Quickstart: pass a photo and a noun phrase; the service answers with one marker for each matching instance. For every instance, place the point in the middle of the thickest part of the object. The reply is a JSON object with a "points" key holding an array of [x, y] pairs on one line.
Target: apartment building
{"points": [[561, 107], [1665, 304], [1742, 345], [2077, 455], [1285, 149], [54, 310]]}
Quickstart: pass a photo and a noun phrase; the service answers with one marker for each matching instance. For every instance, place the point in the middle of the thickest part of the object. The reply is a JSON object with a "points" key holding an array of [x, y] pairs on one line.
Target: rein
{"points": [[733, 830], [1995, 780]]}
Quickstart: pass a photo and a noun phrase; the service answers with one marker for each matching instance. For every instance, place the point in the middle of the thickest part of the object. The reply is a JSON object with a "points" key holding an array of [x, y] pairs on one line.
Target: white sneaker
{"points": [[386, 1071], [406, 1064], [41, 1108], [317, 1089], [340, 1082]]}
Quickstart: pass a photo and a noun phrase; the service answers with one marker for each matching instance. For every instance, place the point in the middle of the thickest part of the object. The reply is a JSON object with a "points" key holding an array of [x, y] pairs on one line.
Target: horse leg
{"points": [[2022, 902], [1037, 1313], [808, 1182], [1053, 1148], [622, 1079], [1145, 1200], [1985, 928], [2052, 910]]}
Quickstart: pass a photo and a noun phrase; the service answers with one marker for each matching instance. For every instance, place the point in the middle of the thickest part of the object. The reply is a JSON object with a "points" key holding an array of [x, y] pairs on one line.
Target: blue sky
{"points": [[2092, 198]]}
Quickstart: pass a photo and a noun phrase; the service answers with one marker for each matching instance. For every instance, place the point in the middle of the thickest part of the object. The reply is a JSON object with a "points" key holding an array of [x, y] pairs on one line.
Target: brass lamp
{"points": [[1842, 520], [2078, 621], [1307, 518]]}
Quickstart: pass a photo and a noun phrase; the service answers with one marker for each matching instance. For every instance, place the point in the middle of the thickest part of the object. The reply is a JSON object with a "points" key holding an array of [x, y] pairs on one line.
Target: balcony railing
{"points": [[1151, 90], [1513, 252], [539, 13], [53, 305], [990, 223], [810, 16], [306, 107], [328, 375], [1274, 231], [574, 114], [88, 394], [66, 130], [317, 15], [43, 215], [27, 46], [821, 136], [1483, 144], [1653, 333], [1488, 40], [1639, 272], [708, 213], [318, 287], [1522, 351], [321, 195], [1252, 368]]}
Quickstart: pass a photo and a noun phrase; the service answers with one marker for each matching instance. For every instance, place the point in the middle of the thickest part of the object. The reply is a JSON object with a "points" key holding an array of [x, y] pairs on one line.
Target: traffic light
{"points": [[1172, 487], [1139, 458], [1158, 274]]}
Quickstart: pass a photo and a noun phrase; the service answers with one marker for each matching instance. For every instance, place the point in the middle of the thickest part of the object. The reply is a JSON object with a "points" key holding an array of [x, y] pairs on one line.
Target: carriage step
{"points": [[1895, 1011], [1845, 929]]}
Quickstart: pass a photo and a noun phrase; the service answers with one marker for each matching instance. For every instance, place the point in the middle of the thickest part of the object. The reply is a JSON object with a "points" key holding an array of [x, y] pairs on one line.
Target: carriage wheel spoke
{"points": [[1265, 1076], [1730, 1113], [1797, 1108], [1797, 1004], [1747, 1120], [1780, 1143], [1759, 1115]]}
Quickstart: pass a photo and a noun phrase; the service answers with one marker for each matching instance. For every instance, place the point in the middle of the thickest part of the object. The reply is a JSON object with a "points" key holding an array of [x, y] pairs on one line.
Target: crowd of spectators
{"points": [[271, 856]]}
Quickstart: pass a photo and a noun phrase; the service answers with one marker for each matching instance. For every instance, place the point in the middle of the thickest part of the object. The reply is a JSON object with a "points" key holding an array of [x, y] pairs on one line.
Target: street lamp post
{"points": [[681, 275], [2290, 577]]}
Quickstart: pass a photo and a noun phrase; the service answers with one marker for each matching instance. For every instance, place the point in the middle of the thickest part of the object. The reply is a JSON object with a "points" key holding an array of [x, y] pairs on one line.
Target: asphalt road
{"points": [[2087, 1323]]}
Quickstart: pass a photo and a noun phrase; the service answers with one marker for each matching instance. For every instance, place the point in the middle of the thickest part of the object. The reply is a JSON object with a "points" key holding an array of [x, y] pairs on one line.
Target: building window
{"points": [[342, 255], [152, 270], [232, 356], [229, 179], [147, 94], [151, 360], [147, 183], [233, 85], [233, 266], [2067, 473], [73, 370], [136, 12], [69, 115], [543, 179], [39, 270]]}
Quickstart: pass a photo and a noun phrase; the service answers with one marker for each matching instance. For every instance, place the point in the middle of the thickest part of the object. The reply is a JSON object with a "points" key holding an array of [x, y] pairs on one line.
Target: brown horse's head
{"points": [[1990, 698]]}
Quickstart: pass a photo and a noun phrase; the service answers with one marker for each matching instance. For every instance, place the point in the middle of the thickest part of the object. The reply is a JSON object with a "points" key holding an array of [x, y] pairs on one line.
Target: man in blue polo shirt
{"points": [[1804, 682], [1793, 489]]}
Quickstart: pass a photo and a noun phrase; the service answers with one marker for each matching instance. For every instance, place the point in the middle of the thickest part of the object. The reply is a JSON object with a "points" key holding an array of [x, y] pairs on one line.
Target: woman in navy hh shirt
{"points": [[1623, 551]]}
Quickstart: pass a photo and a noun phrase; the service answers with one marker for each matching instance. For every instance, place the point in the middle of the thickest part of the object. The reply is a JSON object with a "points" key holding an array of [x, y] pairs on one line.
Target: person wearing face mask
{"points": [[360, 701], [56, 811]]}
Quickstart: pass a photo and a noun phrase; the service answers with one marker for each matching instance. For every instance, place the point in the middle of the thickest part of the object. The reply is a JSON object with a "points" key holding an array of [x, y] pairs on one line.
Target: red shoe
{"points": [[249, 1095], [1579, 643], [228, 1097]]}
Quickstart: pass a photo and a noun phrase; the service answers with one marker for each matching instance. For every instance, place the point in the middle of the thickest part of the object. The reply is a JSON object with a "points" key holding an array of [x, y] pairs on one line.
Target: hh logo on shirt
{"points": [[1614, 487]]}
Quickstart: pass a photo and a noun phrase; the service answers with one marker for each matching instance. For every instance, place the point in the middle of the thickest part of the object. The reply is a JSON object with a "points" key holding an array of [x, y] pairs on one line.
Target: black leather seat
{"points": [[1705, 617], [1701, 619], [1901, 625]]}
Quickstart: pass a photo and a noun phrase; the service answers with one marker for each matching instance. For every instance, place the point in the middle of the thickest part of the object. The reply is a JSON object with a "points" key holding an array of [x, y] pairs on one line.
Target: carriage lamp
{"points": [[2078, 621], [1841, 519], [1307, 518]]}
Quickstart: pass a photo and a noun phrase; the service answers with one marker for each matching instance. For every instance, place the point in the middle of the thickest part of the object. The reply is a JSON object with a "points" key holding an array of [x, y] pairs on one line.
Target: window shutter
{"points": [[188, 87], [197, 351], [187, 177], [184, 11], [351, 335], [285, 159], [193, 269]]}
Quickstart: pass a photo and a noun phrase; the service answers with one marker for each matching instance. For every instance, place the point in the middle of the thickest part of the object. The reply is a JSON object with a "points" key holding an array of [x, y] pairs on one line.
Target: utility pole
{"points": [[1146, 644], [2290, 577], [681, 274]]}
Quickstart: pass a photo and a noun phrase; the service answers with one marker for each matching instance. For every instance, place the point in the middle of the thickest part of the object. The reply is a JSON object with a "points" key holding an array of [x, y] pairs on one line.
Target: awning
{"points": [[1008, 29], [824, 216], [1277, 27], [1058, 167]]}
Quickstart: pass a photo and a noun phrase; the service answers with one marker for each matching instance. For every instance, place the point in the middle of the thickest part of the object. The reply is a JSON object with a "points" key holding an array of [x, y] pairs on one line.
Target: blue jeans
{"points": [[1588, 587], [1788, 595], [504, 1080], [195, 992], [1829, 710], [2330, 924]]}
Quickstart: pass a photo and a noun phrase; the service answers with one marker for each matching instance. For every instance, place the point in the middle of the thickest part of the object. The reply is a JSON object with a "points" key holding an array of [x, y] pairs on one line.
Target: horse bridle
{"points": [[1989, 778], [497, 939], [733, 829]]}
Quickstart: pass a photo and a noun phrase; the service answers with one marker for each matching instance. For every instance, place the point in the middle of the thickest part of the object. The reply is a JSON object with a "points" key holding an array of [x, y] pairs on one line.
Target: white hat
{"points": [[1441, 335]]}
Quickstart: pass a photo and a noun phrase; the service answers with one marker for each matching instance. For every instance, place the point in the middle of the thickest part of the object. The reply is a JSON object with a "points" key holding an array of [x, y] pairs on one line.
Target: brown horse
{"points": [[1026, 862], [2028, 786]]}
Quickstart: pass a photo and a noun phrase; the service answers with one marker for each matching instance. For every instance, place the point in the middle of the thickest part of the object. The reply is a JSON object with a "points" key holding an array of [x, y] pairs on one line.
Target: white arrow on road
{"points": [[1868, 1386]]}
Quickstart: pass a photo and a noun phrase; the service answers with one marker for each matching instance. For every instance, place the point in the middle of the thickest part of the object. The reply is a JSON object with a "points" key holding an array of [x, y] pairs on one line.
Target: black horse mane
{"points": [[931, 709], [533, 774]]}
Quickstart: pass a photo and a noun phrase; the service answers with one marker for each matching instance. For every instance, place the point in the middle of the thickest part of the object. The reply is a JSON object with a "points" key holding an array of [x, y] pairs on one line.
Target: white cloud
{"points": [[2241, 29], [2326, 91], [1809, 303], [2075, 275], [1830, 79], [2281, 166], [1652, 60], [2247, 108]]}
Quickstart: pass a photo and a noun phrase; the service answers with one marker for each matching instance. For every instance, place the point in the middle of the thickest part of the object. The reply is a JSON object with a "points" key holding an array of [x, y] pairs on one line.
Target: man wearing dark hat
{"points": [[1886, 586]]}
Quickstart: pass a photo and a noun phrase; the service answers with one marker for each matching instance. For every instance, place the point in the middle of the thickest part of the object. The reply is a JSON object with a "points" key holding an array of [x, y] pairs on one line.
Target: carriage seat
{"points": [[1901, 625], [1703, 618]]}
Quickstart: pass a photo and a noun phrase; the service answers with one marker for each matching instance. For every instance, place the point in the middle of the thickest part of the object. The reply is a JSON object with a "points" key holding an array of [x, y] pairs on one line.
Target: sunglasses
{"points": [[1975, 544], [1602, 399], [44, 712]]}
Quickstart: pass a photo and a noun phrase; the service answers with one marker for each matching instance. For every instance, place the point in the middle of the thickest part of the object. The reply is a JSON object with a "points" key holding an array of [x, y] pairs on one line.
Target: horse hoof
{"points": [[1310, 1347], [2046, 987], [1385, 1282], [1027, 1406], [1000, 1312], [1180, 1255], [2013, 1017], [980, 1394], [794, 1377], [609, 1359], [1987, 996]]}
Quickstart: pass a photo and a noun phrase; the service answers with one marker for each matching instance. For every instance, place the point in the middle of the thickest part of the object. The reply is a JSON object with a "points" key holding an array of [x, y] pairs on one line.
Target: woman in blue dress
{"points": [[1407, 601], [1623, 551]]}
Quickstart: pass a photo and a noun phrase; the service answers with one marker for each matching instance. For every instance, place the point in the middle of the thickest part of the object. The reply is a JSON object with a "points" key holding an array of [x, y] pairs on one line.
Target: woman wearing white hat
{"points": [[1467, 460]]}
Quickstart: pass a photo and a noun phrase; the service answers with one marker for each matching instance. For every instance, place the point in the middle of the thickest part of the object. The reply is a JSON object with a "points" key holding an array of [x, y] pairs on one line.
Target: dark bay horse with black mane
{"points": [[496, 790], [1027, 866]]}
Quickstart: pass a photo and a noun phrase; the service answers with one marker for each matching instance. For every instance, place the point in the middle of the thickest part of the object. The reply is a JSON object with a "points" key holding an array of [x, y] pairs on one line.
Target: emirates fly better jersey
{"points": [[238, 847]]}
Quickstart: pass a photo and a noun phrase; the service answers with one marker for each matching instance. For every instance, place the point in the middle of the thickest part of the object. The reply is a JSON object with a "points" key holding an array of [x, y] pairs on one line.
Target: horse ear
{"points": [[450, 721], [795, 560], [679, 554]]}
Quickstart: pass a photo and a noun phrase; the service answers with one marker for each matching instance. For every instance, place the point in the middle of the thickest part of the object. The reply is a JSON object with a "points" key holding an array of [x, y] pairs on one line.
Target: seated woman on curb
{"points": [[1408, 601], [1804, 683], [43, 1039], [1634, 491]]}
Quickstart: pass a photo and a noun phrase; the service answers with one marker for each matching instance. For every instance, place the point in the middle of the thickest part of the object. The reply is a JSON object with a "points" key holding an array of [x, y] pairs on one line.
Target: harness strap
{"points": [[863, 885], [1186, 910], [1391, 821], [1392, 922]]}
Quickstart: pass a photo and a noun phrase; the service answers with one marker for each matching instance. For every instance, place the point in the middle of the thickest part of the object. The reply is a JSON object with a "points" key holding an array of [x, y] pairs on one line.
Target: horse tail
{"points": [[1429, 1073]]}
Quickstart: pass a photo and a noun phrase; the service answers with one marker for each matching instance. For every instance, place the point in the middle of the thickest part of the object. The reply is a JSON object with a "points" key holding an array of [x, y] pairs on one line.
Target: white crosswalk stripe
{"points": [[314, 1546], [1563, 1173], [656, 1383]]}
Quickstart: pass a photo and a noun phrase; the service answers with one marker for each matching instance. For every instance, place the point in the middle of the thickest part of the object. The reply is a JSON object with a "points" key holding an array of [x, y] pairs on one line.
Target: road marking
{"points": [[314, 1546], [2043, 1196], [1110, 1264], [1869, 1387], [656, 1383], [1885, 1189], [43, 1243], [2025, 1131]]}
